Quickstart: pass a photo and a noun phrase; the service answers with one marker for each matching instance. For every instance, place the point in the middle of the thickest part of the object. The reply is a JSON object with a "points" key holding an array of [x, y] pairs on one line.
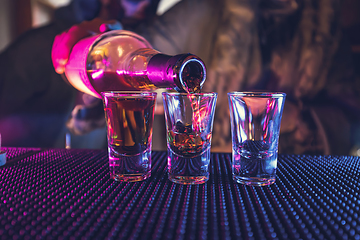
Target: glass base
{"points": [[130, 177], [188, 170], [133, 168], [189, 180], [254, 181]]}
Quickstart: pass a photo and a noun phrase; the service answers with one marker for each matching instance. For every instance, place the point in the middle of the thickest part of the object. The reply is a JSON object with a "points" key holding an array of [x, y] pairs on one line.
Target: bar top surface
{"points": [[68, 194]]}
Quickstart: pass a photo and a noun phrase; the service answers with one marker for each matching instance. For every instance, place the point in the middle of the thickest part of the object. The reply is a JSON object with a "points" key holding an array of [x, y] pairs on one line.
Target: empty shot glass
{"points": [[129, 118], [189, 120], [255, 126]]}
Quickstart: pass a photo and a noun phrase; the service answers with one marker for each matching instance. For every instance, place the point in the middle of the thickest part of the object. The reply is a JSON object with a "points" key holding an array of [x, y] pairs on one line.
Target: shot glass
{"points": [[255, 126], [189, 120], [129, 117]]}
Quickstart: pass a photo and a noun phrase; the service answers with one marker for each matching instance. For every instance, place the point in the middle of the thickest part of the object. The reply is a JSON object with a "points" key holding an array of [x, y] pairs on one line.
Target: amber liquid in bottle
{"points": [[113, 81]]}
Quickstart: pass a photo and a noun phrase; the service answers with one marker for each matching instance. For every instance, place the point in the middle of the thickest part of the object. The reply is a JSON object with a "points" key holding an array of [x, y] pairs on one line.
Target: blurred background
{"points": [[17, 16]]}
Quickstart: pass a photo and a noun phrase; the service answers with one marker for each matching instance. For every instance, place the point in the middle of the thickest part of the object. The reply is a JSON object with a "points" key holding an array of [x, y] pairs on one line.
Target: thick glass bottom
{"points": [[134, 168], [189, 180], [254, 181], [130, 177], [188, 170]]}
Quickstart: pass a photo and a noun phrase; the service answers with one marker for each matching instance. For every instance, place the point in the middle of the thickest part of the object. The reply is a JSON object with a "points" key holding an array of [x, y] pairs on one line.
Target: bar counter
{"points": [[67, 194]]}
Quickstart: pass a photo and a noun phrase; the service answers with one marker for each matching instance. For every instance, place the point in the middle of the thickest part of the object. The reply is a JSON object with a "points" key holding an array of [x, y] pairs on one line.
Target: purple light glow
{"points": [[123, 72], [97, 74]]}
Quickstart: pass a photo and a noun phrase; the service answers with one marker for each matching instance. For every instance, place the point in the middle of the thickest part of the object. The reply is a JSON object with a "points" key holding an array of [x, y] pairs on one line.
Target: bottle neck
{"points": [[183, 72]]}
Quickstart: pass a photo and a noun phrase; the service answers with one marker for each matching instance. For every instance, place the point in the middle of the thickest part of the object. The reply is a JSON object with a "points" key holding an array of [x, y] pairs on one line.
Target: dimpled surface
{"points": [[67, 194]]}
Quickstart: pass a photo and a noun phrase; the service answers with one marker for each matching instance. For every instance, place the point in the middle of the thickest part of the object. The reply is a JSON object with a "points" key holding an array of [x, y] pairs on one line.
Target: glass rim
{"points": [[128, 93], [257, 94], [206, 94]]}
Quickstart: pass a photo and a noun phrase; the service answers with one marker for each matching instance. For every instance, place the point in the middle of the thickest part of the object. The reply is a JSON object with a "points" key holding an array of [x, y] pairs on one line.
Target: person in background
{"points": [[37, 107], [293, 46], [272, 45]]}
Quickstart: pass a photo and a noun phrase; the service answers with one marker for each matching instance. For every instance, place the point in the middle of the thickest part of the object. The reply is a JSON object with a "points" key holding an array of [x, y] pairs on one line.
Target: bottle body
{"points": [[122, 60]]}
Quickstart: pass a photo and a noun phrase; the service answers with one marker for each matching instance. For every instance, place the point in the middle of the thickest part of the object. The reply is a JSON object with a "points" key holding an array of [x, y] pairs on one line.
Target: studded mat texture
{"points": [[67, 194]]}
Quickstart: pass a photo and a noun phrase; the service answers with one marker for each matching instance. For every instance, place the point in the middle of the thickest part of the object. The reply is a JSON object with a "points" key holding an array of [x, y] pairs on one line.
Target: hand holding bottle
{"points": [[121, 60], [64, 42]]}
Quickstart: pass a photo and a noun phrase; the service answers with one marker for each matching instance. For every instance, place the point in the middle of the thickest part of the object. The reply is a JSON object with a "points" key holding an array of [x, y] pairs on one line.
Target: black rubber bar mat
{"points": [[67, 194]]}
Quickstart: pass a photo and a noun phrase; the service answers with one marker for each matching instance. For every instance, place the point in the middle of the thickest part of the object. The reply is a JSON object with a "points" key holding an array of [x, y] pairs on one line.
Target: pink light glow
{"points": [[97, 74], [123, 72], [120, 72], [269, 108]]}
